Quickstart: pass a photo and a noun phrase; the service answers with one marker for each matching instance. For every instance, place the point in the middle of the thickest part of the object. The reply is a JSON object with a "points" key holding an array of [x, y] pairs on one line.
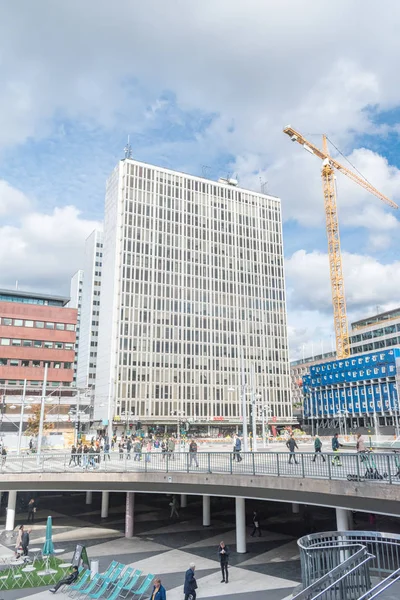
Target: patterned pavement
{"points": [[271, 565]]}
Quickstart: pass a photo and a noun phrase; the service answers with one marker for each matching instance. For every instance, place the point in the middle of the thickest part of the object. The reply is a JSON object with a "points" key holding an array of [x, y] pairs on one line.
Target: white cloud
{"points": [[11, 200], [370, 286], [40, 250]]}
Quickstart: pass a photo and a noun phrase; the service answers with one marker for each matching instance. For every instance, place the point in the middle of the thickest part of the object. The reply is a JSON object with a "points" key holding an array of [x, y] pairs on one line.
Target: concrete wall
{"points": [[365, 496]]}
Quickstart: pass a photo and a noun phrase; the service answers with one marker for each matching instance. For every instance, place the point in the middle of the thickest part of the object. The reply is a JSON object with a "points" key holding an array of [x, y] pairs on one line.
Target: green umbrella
{"points": [[48, 547]]}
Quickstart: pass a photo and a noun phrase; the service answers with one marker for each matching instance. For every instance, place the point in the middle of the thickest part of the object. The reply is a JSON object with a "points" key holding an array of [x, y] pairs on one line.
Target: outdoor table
{"points": [[28, 571], [59, 550], [36, 553], [51, 573], [16, 564]]}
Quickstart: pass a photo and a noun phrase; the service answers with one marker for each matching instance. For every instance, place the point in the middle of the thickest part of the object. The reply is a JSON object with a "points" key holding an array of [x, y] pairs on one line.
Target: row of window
{"points": [[368, 335], [24, 300], [37, 324], [6, 382], [394, 341], [36, 344], [14, 362]]}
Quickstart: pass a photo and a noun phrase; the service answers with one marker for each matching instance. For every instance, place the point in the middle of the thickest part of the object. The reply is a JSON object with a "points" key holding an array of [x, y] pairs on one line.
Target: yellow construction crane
{"points": [[329, 165]]}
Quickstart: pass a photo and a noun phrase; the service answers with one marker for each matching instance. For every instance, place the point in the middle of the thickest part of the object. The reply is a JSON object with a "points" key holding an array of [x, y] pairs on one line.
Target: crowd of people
{"points": [[90, 455]]}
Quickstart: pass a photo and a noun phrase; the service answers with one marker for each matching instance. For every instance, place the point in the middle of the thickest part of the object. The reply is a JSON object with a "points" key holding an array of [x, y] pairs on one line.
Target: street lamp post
{"points": [[111, 391], [43, 399]]}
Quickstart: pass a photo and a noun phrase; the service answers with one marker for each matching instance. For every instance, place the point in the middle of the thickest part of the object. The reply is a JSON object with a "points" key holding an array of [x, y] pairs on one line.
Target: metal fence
{"points": [[382, 468], [336, 564]]}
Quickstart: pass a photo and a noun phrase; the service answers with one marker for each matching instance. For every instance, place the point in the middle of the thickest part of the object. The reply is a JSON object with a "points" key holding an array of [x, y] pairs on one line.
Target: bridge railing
{"points": [[379, 467]]}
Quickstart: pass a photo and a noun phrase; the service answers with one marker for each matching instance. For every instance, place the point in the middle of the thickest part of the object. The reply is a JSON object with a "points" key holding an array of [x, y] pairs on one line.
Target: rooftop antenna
{"points": [[128, 149], [205, 170], [263, 185]]}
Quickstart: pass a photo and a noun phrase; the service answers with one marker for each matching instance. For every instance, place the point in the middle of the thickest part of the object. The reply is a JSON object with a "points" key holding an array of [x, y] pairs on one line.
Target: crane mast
{"points": [[335, 259], [332, 227]]}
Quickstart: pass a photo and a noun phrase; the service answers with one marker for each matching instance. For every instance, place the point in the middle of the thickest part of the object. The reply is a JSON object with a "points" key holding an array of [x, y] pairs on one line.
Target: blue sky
{"points": [[202, 85]]}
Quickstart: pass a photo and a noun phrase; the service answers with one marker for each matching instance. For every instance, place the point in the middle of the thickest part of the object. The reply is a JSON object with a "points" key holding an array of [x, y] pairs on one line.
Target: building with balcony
{"points": [[193, 300]]}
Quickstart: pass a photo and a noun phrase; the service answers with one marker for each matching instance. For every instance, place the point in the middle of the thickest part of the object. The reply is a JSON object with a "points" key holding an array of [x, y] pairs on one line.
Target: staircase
{"points": [[350, 565]]}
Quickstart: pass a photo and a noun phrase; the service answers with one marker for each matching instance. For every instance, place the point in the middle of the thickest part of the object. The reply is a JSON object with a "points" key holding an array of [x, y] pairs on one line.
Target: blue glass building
{"points": [[362, 389]]}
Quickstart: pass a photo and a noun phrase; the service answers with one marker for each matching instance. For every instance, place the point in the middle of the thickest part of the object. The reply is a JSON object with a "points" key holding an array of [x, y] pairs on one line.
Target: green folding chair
{"points": [[143, 588], [126, 583], [80, 583]]}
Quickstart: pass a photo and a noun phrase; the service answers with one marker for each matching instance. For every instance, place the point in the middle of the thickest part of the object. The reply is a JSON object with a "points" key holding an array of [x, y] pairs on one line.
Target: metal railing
{"points": [[338, 564], [383, 468], [344, 581]]}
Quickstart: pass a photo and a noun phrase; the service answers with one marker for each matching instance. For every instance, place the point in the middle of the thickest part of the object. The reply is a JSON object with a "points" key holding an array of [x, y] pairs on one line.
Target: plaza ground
{"points": [[270, 567]]}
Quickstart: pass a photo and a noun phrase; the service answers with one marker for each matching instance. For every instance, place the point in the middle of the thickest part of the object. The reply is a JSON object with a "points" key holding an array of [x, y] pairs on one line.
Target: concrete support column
{"points": [[295, 508], [10, 519], [104, 504], [129, 514], [342, 519], [89, 497], [183, 501], [350, 520], [240, 525], [206, 511]]}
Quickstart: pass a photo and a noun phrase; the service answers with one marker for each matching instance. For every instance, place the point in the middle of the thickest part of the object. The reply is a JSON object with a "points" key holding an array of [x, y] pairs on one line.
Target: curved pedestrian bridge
{"points": [[354, 484]]}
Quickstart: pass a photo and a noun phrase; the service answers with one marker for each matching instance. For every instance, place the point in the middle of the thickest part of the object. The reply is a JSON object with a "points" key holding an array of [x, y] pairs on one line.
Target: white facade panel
{"points": [[89, 326], [192, 288], [76, 302]]}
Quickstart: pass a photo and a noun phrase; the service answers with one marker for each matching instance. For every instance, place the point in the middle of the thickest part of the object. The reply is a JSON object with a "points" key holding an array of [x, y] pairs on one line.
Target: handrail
{"points": [[377, 468], [384, 585], [306, 594], [323, 555]]}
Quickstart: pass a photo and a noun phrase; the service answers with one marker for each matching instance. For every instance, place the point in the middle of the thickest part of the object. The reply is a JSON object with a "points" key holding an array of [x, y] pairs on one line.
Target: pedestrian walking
{"points": [[25, 541], [79, 455], [106, 451], [164, 449], [121, 450], [73, 456], [318, 448], [256, 525], [223, 555], [174, 507], [31, 510], [3, 456], [148, 448], [158, 592], [171, 449], [190, 585], [18, 543], [85, 456], [128, 449], [138, 450], [237, 448], [360, 447], [292, 445], [193, 453], [335, 450]]}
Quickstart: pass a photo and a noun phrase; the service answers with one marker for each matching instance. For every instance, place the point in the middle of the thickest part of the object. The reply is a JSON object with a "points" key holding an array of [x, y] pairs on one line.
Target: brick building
{"points": [[36, 329]]}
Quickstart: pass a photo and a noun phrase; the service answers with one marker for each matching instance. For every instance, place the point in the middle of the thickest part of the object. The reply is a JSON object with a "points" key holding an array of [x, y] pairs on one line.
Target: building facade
{"points": [[300, 368], [193, 300], [76, 302], [362, 390], [90, 311], [375, 333]]}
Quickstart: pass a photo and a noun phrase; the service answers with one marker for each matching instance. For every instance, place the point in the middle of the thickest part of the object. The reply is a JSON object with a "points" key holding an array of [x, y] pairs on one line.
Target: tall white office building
{"points": [[76, 302], [89, 321], [193, 299]]}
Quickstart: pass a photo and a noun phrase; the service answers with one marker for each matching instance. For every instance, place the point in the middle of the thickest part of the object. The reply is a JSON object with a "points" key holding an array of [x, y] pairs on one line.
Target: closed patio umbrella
{"points": [[48, 547]]}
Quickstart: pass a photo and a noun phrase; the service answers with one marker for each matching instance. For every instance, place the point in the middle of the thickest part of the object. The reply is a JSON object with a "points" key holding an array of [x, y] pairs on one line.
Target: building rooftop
{"points": [[32, 298], [378, 318]]}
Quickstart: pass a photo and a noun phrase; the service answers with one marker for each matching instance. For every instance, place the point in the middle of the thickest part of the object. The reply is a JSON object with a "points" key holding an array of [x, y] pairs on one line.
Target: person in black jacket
{"points": [[190, 585], [25, 541], [291, 444], [68, 580], [223, 554], [256, 525]]}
